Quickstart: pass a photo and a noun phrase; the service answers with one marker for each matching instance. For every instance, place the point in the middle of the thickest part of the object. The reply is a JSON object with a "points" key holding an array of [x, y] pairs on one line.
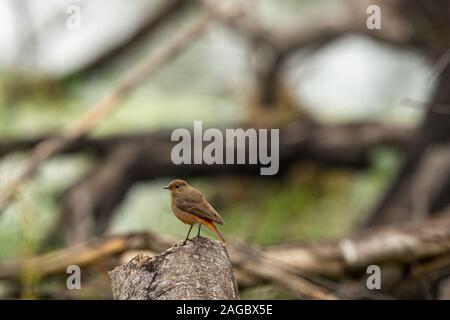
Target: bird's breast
{"points": [[184, 216]]}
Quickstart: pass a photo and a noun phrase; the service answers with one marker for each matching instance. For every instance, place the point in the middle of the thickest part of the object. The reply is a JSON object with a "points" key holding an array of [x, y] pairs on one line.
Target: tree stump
{"points": [[200, 269]]}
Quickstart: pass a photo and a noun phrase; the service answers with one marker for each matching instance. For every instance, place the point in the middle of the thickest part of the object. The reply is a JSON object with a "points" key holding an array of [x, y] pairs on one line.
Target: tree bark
{"points": [[200, 269]]}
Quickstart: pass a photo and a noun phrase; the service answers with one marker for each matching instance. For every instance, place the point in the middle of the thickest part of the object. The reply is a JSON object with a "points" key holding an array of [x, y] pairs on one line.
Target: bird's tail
{"points": [[211, 226]]}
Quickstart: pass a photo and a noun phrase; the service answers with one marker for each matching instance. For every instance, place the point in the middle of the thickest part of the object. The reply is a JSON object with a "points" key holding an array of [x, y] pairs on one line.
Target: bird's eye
{"points": [[177, 187]]}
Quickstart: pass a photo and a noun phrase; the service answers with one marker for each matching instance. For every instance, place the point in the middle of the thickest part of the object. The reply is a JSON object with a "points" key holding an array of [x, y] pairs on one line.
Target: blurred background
{"points": [[370, 104]]}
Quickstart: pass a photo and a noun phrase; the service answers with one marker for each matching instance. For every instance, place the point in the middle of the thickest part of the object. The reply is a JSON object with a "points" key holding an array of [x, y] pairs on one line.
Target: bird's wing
{"points": [[197, 204]]}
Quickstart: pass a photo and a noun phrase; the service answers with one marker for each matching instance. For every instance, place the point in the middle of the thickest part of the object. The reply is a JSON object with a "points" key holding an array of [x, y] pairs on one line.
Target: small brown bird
{"points": [[191, 207]]}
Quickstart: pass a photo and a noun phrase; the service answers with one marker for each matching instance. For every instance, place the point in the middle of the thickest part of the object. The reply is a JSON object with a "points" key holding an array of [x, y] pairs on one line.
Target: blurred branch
{"points": [[91, 252], [87, 210], [82, 255], [98, 146], [428, 155], [428, 189], [252, 262], [105, 106], [402, 244], [369, 134], [148, 159], [326, 26], [273, 46], [167, 10], [126, 159], [284, 265]]}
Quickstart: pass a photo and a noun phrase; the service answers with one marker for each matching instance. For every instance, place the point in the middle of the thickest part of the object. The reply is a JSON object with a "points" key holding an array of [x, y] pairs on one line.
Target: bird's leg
{"points": [[187, 237], [199, 226]]}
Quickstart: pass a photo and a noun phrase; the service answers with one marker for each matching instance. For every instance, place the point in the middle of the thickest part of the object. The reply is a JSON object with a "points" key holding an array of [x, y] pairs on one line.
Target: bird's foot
{"points": [[184, 242]]}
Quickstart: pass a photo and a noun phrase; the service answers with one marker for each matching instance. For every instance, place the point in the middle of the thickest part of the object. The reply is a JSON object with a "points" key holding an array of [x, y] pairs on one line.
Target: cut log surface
{"points": [[200, 269]]}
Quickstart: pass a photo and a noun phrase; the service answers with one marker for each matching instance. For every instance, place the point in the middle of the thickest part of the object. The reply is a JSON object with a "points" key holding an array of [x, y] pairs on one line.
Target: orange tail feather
{"points": [[211, 226]]}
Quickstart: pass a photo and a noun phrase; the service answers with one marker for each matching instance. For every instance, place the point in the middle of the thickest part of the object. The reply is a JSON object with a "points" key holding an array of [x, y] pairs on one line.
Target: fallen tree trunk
{"points": [[198, 270]]}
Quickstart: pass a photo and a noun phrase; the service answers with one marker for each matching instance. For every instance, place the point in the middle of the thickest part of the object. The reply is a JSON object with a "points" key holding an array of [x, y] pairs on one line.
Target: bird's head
{"points": [[176, 186]]}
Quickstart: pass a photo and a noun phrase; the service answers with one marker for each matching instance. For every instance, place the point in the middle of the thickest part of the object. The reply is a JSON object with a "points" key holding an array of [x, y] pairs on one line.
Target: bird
{"points": [[191, 207]]}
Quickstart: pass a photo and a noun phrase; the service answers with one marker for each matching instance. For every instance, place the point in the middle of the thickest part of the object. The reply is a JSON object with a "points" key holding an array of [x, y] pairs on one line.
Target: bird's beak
{"points": [[165, 187]]}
